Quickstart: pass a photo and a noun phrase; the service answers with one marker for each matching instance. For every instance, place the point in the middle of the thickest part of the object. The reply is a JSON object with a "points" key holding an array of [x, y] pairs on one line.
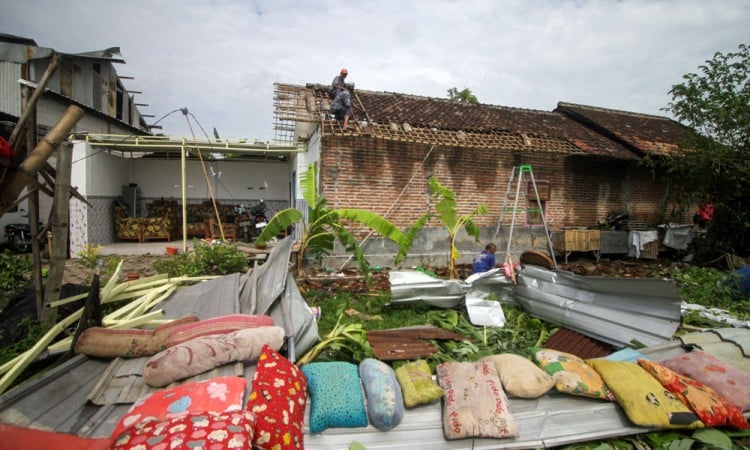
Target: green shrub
{"points": [[15, 273], [205, 259]]}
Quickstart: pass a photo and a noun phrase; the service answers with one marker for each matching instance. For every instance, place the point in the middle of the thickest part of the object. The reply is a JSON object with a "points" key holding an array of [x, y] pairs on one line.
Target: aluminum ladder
{"points": [[526, 209]]}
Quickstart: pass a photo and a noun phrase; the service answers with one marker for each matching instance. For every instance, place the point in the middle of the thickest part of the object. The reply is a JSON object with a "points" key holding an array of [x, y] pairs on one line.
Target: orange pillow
{"points": [[713, 409]]}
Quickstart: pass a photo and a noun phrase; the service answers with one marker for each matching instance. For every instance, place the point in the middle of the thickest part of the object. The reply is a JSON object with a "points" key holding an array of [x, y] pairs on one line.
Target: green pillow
{"points": [[336, 398], [417, 385]]}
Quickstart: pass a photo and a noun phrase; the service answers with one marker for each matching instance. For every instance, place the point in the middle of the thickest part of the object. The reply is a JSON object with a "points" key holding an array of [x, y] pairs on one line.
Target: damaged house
{"points": [[586, 160]]}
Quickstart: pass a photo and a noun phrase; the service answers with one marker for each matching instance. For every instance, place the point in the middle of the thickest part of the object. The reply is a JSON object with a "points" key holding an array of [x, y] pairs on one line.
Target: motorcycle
{"points": [[18, 236], [252, 221], [260, 220], [615, 220]]}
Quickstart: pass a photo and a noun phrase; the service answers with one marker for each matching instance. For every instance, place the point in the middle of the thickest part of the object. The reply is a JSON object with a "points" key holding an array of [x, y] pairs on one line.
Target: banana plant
{"points": [[324, 225], [446, 209]]}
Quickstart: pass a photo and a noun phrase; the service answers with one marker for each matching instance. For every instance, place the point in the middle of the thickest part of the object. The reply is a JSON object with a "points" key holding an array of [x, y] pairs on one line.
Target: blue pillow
{"points": [[336, 398], [385, 403]]}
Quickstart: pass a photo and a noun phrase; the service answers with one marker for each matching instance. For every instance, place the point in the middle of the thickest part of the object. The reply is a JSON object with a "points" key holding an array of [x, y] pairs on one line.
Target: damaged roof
{"points": [[643, 132], [436, 121]]}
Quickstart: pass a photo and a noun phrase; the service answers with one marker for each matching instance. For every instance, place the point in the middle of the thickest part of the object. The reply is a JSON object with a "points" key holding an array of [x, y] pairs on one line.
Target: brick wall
{"points": [[363, 172]]}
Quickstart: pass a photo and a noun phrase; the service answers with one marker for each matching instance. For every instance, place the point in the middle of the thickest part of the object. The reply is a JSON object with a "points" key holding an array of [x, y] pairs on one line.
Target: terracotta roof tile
{"points": [[388, 115], [644, 132]]}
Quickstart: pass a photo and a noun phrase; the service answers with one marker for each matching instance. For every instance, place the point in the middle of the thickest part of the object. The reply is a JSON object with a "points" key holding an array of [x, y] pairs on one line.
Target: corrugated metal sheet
{"points": [[612, 310], [10, 100], [409, 286]]}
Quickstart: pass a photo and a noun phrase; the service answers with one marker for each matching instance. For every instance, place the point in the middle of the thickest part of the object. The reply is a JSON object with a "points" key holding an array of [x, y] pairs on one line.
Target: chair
{"points": [[214, 231], [127, 228]]}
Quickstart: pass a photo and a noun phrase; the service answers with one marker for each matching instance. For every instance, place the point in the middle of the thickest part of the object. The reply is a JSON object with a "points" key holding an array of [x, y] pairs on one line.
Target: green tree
{"points": [[462, 96], [447, 211], [324, 225], [715, 164]]}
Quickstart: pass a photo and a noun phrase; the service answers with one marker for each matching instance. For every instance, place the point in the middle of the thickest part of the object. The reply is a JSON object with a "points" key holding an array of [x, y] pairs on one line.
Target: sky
{"points": [[220, 58]]}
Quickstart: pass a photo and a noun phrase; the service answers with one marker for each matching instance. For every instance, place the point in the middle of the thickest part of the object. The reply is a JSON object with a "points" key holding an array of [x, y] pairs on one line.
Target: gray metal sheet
{"points": [[612, 310], [738, 336], [270, 279], [210, 298], [553, 419], [408, 286]]}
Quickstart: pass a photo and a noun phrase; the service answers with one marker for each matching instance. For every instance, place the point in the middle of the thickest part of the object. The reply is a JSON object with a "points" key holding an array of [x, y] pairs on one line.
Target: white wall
{"points": [[228, 179]]}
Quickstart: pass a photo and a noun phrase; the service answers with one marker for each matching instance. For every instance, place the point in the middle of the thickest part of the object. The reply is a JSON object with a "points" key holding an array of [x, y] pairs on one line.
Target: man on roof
{"points": [[341, 108], [339, 83]]}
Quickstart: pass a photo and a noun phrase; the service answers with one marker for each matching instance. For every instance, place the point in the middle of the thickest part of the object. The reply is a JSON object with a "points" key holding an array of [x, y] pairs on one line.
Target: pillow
{"points": [[644, 400], [727, 381], [205, 353], [336, 398], [278, 399], [474, 404], [713, 409], [520, 377], [571, 374], [23, 438], [218, 394], [206, 430], [417, 387], [127, 343], [216, 325], [385, 403]]}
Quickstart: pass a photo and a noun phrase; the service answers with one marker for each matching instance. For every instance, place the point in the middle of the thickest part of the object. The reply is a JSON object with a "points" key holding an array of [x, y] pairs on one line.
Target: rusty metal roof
{"points": [[644, 132], [584, 347], [435, 121]]}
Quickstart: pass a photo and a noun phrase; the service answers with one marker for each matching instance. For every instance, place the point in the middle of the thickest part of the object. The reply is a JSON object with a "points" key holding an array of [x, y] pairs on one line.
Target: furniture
{"points": [[126, 228], [231, 230], [577, 240], [161, 222]]}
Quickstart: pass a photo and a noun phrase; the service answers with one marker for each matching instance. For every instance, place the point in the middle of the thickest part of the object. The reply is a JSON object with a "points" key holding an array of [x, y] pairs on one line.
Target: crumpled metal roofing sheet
{"points": [[412, 285], [612, 310]]}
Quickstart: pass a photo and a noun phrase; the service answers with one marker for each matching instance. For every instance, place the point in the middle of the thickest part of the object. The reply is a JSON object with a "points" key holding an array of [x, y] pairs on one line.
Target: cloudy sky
{"points": [[220, 58]]}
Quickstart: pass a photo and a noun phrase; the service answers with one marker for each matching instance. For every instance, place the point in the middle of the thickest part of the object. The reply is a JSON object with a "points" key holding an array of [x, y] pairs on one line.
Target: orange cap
{"points": [[344, 71]]}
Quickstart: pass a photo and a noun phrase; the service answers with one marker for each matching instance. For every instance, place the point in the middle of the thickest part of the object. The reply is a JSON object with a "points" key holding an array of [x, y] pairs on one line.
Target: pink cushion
{"points": [[729, 382], [198, 430], [278, 401], [217, 394], [216, 325]]}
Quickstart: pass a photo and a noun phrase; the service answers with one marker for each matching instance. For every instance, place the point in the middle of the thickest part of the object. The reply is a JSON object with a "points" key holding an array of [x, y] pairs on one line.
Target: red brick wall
{"points": [[371, 174]]}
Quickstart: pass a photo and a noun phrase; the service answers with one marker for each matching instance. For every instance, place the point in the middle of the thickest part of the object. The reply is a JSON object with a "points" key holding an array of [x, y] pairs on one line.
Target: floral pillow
{"points": [[645, 401], [474, 404], [197, 430], [416, 382], [216, 325], [278, 399], [385, 403], [217, 394], [712, 408], [336, 398], [571, 374], [727, 381]]}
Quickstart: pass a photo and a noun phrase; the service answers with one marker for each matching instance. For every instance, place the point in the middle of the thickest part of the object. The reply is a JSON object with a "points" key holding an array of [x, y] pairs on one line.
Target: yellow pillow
{"points": [[417, 384], [643, 398], [571, 374]]}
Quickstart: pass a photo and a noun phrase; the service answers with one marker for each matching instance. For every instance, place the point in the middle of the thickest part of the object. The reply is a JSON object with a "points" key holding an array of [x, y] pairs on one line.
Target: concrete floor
{"points": [[149, 247]]}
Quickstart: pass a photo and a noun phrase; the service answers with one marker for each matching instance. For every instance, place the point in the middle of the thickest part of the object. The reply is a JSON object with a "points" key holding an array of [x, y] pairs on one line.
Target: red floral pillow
{"points": [[713, 409], [206, 430], [278, 399], [218, 394]]}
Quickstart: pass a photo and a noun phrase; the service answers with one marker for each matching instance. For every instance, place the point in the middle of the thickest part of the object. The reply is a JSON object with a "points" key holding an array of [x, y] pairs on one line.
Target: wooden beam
{"points": [[60, 218]]}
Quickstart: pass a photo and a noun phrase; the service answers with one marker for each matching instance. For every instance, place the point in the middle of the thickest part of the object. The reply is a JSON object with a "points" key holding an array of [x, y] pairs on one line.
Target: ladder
{"points": [[526, 208]]}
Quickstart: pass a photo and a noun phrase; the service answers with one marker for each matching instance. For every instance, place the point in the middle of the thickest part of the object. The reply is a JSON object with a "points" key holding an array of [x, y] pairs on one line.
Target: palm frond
{"points": [[409, 236], [352, 246], [446, 207], [278, 223], [308, 184], [378, 223]]}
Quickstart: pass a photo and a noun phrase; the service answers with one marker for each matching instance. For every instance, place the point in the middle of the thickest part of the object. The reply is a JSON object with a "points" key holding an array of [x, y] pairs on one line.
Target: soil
{"points": [[77, 272]]}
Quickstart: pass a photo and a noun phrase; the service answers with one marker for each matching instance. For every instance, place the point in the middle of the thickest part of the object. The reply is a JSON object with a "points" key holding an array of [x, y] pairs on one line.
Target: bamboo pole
{"points": [[35, 160]]}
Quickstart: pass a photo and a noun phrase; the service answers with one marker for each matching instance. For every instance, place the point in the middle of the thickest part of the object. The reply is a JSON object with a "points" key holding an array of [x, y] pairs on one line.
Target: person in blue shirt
{"points": [[485, 260]]}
